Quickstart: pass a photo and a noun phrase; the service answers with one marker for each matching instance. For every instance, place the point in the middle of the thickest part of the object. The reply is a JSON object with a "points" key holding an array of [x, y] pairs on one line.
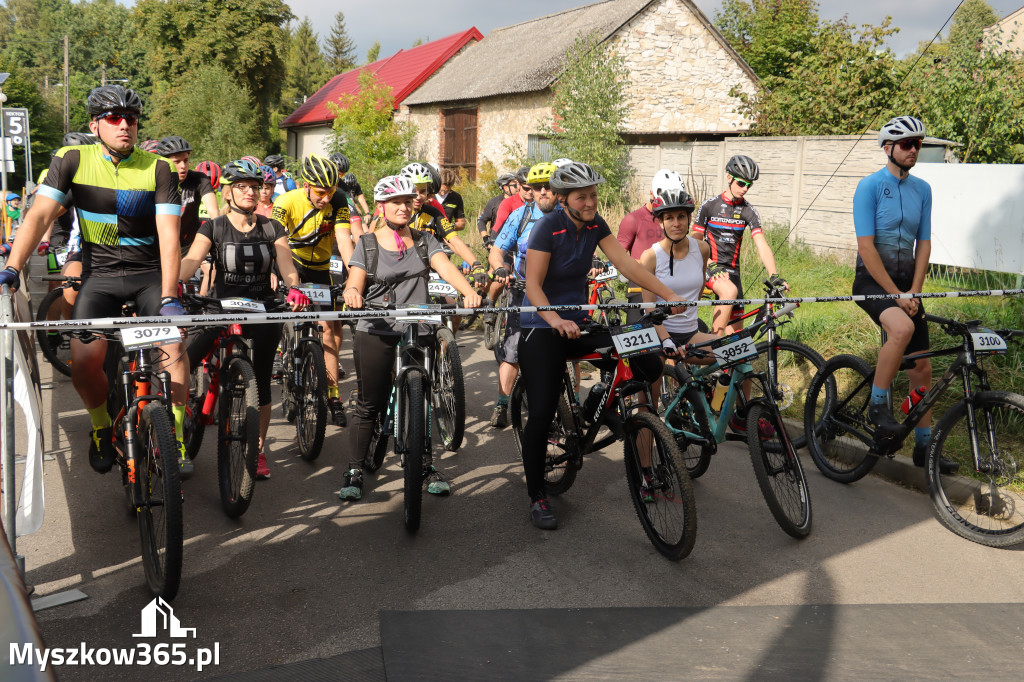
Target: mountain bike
{"points": [[983, 433], [600, 291], [658, 483], [55, 344], [698, 429], [225, 382]]}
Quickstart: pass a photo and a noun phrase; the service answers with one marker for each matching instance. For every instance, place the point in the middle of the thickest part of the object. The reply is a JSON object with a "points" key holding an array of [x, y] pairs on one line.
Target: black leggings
{"points": [[542, 357], [262, 337]]}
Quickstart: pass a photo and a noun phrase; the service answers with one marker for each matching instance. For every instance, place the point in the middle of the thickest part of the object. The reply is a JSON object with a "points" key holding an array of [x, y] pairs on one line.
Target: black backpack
{"points": [[419, 242]]}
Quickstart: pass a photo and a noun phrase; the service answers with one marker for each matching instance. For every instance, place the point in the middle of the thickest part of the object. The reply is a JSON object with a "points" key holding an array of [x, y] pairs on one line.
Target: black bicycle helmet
{"points": [[274, 161], [522, 174], [341, 161], [73, 138], [113, 98], [576, 175], [504, 179], [240, 170], [742, 167], [349, 182], [671, 200], [171, 145]]}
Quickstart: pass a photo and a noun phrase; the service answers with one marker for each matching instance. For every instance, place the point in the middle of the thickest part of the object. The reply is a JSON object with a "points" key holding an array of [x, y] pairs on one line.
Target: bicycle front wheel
{"points": [[238, 436], [159, 502], [836, 426], [985, 502], [794, 368], [413, 429], [659, 486], [449, 391], [311, 402], [561, 463], [194, 425], [778, 471], [688, 415], [55, 345]]}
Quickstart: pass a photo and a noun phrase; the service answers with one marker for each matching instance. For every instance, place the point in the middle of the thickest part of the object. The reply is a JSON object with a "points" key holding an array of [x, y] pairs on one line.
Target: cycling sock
{"points": [[879, 396], [332, 392], [922, 435], [502, 400], [99, 416], [179, 421]]}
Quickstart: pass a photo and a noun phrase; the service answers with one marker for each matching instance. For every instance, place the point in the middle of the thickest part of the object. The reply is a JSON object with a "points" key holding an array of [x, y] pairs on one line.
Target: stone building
{"points": [[1008, 33], [497, 93]]}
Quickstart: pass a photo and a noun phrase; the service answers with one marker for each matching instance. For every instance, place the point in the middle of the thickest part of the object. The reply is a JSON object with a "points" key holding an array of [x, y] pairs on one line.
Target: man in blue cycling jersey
{"points": [[892, 214]]}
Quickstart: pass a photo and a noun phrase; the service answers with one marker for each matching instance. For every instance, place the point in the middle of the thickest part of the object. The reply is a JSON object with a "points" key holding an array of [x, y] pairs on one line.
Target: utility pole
{"points": [[103, 74], [67, 85]]}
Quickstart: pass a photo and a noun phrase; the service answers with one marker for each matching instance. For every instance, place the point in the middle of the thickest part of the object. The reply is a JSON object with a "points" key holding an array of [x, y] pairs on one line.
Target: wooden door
{"points": [[459, 146]]}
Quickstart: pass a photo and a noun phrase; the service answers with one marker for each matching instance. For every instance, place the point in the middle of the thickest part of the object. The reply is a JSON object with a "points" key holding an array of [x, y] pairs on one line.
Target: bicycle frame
{"points": [[719, 424], [136, 382], [228, 343], [403, 368]]}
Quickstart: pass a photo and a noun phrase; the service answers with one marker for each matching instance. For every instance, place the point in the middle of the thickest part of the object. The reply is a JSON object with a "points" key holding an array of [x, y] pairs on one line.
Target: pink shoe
{"points": [[262, 470]]}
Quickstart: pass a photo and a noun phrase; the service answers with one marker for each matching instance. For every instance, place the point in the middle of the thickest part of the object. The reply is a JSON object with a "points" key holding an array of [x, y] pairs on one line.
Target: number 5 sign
{"points": [[16, 125]]}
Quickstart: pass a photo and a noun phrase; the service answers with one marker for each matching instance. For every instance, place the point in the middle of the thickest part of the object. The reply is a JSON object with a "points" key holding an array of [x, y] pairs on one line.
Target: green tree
{"points": [[771, 35], [589, 108], [46, 126], [230, 132], [306, 71], [365, 130], [971, 19], [341, 49], [373, 54], [244, 37]]}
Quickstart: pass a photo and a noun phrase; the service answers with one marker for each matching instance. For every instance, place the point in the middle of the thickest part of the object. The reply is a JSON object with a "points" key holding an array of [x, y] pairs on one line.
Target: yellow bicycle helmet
{"points": [[540, 173], [319, 171]]}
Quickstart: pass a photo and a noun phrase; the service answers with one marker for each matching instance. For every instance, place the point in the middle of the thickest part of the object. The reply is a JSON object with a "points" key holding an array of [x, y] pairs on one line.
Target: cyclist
{"points": [[341, 196], [195, 188], [722, 221], [523, 196], [892, 214], [486, 222], [314, 225], [128, 207], [640, 230], [246, 247], [265, 203], [355, 194], [558, 258], [514, 238], [450, 200], [401, 259], [282, 181]]}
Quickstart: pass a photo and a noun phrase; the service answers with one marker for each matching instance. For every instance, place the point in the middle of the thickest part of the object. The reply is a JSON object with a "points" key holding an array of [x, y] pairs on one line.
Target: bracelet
{"points": [[355, 289]]}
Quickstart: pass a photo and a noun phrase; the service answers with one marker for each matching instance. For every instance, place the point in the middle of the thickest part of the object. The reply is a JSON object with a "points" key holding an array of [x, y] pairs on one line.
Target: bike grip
{"points": [[634, 290]]}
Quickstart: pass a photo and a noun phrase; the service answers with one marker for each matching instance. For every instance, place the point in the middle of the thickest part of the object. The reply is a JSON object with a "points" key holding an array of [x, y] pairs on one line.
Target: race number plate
{"points": [[441, 288], [635, 339], [317, 293], [337, 266], [418, 317], [734, 349], [61, 256], [987, 341], [609, 274], [243, 304], [136, 338]]}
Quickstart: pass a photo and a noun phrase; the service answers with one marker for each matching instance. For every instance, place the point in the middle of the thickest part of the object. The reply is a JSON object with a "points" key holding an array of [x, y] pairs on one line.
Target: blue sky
{"points": [[398, 23]]}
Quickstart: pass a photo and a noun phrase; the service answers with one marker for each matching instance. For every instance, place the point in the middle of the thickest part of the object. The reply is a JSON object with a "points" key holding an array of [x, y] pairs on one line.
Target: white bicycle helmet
{"points": [[899, 128], [666, 179], [393, 186], [562, 163]]}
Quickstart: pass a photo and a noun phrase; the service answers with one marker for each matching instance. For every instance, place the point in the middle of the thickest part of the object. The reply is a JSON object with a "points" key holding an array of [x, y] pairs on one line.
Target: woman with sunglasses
{"points": [[722, 220], [246, 247]]}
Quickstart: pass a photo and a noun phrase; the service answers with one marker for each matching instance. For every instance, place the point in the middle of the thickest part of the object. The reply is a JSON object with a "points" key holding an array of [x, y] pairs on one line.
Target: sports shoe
{"points": [[542, 515], [101, 449], [880, 415], [262, 470], [341, 372], [185, 465], [337, 412], [436, 485], [651, 484], [499, 418], [353, 488], [945, 465]]}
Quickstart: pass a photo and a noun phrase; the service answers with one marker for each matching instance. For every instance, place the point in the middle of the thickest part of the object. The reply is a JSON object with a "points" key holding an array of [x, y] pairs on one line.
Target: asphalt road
{"points": [[303, 575]]}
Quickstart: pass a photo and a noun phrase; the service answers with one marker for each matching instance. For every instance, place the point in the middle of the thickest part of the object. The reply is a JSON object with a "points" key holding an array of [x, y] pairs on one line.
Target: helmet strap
{"points": [[113, 152], [247, 214], [905, 169]]}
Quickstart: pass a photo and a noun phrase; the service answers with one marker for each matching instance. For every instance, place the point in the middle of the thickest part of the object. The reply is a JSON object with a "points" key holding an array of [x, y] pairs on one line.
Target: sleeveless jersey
{"points": [[686, 280]]}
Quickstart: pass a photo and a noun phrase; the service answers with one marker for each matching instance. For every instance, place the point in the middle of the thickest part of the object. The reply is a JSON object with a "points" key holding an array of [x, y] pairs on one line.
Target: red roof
{"points": [[403, 72]]}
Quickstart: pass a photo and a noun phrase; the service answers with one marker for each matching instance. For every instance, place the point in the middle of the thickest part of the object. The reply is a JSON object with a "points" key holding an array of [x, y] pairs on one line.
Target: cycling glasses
{"points": [[246, 187], [741, 182], [321, 193], [540, 186], [115, 118], [910, 143]]}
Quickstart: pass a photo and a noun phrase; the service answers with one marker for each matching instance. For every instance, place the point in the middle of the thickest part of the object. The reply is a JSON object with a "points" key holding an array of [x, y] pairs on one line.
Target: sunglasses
{"points": [[540, 187], [528, 188], [115, 118], [742, 183], [321, 193], [907, 145]]}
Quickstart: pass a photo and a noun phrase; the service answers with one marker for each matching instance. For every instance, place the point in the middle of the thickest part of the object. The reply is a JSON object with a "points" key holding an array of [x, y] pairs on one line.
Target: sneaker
{"points": [[101, 449], [436, 485], [278, 370], [185, 465], [738, 425], [353, 488], [337, 412], [880, 415], [353, 397], [499, 418], [262, 470], [945, 466], [649, 486], [341, 372], [542, 515]]}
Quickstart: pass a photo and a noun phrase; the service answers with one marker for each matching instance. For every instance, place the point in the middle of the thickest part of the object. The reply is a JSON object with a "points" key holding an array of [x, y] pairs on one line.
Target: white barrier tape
{"points": [[270, 318]]}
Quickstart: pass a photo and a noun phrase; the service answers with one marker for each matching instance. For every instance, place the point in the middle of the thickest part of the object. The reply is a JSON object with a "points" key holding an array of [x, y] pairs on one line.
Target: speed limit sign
{"points": [[16, 125]]}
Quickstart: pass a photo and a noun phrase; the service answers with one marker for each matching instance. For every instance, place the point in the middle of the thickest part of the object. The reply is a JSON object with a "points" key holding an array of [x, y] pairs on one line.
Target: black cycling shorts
{"points": [[104, 296], [734, 277], [309, 276], [864, 284]]}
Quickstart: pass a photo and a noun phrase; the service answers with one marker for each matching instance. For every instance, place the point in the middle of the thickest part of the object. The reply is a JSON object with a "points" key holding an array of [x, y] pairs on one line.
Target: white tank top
{"points": [[686, 280]]}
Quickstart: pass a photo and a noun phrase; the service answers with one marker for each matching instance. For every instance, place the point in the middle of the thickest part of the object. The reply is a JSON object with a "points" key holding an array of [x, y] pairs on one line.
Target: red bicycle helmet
{"points": [[212, 170]]}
